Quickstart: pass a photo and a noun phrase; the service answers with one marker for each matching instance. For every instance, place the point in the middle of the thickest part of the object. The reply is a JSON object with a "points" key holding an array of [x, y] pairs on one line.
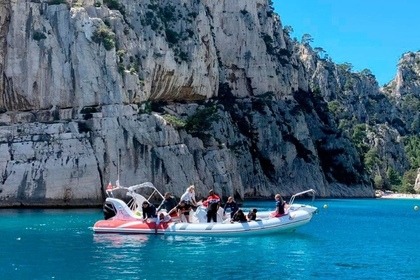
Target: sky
{"points": [[372, 34]]}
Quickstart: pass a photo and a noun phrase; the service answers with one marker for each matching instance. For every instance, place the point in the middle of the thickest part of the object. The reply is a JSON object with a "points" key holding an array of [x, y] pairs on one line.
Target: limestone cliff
{"points": [[210, 92]]}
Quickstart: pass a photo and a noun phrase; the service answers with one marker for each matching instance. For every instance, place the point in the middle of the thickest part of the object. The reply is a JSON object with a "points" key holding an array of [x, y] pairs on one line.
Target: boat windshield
{"points": [[307, 192], [138, 194]]}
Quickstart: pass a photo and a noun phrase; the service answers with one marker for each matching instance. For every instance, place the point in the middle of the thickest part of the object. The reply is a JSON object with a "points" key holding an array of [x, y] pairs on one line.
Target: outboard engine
{"points": [[109, 210]]}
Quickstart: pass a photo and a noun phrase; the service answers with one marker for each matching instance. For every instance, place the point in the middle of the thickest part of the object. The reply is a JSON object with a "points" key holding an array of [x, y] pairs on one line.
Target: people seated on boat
{"points": [[231, 206], [239, 217], [183, 209], [252, 215], [149, 210], [281, 207], [189, 196], [168, 202], [212, 203], [164, 218]]}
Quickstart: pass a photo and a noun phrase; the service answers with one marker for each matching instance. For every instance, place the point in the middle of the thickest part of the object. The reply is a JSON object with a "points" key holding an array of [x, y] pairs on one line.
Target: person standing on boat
{"points": [[149, 210], [213, 204], [189, 196], [168, 203], [230, 205], [281, 206]]}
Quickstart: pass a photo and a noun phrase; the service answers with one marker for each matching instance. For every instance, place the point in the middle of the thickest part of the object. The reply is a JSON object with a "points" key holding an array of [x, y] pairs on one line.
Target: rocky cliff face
{"points": [[404, 92], [213, 93]]}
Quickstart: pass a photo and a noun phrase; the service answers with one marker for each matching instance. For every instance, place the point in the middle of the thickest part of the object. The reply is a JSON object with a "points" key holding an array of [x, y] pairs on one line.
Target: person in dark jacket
{"points": [[252, 215], [213, 204], [168, 203], [149, 210], [239, 217], [230, 205]]}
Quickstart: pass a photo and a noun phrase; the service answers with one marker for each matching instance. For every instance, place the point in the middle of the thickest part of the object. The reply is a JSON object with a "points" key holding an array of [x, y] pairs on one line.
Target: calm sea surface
{"points": [[350, 239]]}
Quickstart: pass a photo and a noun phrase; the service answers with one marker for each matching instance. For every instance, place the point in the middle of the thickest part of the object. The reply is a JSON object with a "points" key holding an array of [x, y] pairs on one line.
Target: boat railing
{"points": [[132, 189], [137, 199], [310, 191]]}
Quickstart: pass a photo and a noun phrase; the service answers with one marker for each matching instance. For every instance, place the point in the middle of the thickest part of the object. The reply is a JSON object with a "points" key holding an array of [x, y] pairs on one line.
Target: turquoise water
{"points": [[350, 239]]}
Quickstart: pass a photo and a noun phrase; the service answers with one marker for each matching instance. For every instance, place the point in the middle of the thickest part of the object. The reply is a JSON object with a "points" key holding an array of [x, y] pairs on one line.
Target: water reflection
{"points": [[198, 240], [121, 240]]}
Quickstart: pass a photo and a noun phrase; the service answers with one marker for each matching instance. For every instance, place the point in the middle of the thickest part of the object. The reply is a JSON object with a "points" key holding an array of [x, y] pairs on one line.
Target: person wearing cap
{"points": [[213, 204]]}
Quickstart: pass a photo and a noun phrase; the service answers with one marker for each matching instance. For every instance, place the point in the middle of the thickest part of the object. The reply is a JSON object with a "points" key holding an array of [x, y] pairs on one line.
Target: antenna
{"points": [[118, 168]]}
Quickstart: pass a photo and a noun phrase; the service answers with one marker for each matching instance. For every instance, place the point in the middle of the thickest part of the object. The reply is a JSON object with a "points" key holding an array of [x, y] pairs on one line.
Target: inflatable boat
{"points": [[125, 219]]}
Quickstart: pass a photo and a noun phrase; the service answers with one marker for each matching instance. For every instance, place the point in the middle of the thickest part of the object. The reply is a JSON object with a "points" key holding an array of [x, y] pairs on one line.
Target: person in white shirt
{"points": [[189, 196]]}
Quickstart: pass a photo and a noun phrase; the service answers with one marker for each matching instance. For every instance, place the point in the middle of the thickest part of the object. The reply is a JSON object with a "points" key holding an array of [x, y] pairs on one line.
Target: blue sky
{"points": [[370, 34]]}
